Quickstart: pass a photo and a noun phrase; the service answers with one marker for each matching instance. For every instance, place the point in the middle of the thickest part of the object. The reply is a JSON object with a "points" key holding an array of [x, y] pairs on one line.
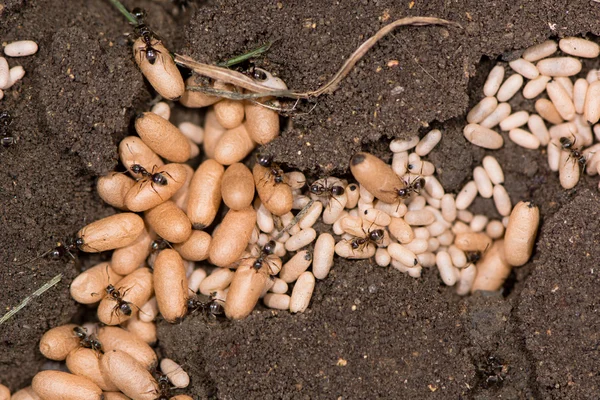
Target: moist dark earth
{"points": [[370, 332]]}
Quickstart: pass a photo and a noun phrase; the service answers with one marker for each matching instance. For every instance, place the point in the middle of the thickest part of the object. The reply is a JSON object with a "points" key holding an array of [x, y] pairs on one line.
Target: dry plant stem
{"points": [[295, 220], [26, 301], [241, 80], [241, 58]]}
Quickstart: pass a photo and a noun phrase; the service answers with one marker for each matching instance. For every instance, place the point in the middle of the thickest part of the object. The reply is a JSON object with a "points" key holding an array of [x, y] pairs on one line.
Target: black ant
{"points": [[155, 178], [88, 341], [144, 31], [155, 247], [213, 308], [267, 250], [575, 153], [475, 256], [158, 245], [372, 236], [70, 247], [253, 72], [121, 305], [274, 169], [164, 386], [5, 121], [414, 186], [322, 189]]}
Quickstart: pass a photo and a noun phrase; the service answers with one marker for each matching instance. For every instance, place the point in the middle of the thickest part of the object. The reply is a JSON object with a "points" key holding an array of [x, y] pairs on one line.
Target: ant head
{"points": [[473, 256], [138, 13], [259, 75], [191, 303], [337, 190], [269, 247], [354, 244], [257, 264], [158, 244], [376, 235], [566, 142], [162, 379], [136, 168], [316, 188], [279, 179], [264, 160], [403, 192], [80, 332]]}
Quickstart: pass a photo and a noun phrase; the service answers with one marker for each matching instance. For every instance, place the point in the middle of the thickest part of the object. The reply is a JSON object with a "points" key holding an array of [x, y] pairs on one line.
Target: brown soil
{"points": [[405, 338]]}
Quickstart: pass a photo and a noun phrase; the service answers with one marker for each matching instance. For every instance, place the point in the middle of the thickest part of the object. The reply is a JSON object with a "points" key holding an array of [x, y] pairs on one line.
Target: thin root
{"points": [[241, 80]]}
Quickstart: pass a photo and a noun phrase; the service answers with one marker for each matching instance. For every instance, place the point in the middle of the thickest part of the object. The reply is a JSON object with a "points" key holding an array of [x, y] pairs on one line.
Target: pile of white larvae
{"points": [[10, 76], [429, 227], [571, 108]]}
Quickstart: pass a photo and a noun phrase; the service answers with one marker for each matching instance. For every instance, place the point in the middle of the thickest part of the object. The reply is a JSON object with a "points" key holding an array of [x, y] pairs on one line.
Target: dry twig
{"points": [[243, 81]]}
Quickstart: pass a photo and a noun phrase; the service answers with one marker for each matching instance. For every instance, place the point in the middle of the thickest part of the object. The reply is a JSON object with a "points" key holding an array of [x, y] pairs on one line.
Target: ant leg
{"points": [[125, 291], [138, 308], [140, 51], [169, 175], [34, 258], [333, 198], [141, 185], [153, 188], [265, 178]]}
